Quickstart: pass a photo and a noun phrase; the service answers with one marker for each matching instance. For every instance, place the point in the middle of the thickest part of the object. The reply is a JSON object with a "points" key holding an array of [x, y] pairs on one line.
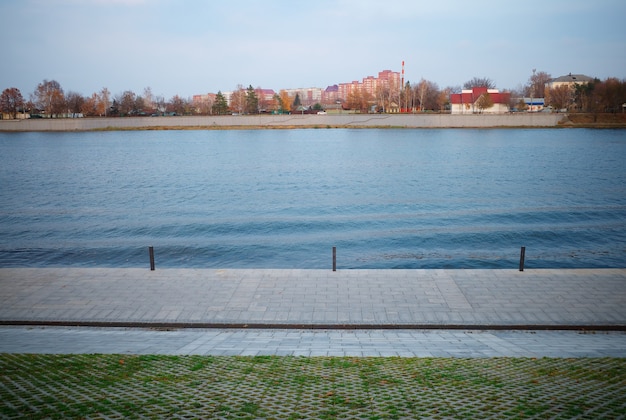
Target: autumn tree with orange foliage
{"points": [[358, 99], [484, 102], [559, 97], [49, 97], [238, 100], [11, 101], [284, 101]]}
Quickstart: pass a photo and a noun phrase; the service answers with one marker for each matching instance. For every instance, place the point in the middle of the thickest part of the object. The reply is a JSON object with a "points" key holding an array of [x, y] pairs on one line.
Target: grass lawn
{"points": [[123, 386]]}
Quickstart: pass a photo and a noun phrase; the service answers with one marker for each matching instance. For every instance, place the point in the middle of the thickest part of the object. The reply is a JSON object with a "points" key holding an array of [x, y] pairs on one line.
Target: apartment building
{"points": [[387, 80]]}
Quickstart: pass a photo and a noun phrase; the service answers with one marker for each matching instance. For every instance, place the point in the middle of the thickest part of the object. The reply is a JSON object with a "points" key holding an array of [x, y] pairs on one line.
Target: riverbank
{"points": [[223, 122], [595, 120]]}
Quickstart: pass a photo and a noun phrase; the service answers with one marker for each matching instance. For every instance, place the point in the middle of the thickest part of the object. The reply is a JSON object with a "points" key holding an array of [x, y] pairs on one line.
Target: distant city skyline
{"points": [[385, 79], [194, 47]]}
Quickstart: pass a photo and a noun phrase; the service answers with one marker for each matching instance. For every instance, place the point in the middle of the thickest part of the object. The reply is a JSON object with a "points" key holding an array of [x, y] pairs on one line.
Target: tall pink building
{"points": [[388, 83], [387, 79], [390, 79]]}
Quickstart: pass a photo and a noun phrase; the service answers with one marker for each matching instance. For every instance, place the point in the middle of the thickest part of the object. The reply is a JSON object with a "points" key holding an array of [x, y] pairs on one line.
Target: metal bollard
{"points": [[521, 258], [151, 252], [334, 258]]}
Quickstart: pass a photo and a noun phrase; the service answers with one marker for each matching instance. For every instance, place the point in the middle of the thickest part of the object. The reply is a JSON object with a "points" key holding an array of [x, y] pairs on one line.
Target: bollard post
{"points": [[151, 252], [521, 258], [334, 258]]}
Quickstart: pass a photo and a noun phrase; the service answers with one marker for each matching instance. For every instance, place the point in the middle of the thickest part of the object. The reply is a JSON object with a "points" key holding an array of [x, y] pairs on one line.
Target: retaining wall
{"points": [[255, 121]]}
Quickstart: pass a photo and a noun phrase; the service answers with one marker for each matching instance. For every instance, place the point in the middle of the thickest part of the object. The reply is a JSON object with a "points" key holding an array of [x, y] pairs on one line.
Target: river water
{"points": [[386, 198]]}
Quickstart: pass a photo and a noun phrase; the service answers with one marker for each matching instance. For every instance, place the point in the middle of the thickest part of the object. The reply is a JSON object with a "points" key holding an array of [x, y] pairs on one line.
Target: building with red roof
{"points": [[473, 101]]}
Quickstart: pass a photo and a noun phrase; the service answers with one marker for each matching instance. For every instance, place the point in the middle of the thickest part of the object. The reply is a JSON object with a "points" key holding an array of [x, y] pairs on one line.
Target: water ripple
{"points": [[385, 198]]}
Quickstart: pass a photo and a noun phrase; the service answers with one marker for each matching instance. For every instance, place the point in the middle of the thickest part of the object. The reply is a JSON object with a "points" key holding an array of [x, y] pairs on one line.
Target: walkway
{"points": [[457, 313], [280, 342], [315, 298]]}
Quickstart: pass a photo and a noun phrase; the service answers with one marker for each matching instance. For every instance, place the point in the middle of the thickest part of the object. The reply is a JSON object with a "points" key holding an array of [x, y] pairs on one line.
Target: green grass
{"points": [[80, 386]]}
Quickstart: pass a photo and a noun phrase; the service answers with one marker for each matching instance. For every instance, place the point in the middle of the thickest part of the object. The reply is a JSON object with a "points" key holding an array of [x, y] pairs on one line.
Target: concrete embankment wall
{"points": [[255, 121]]}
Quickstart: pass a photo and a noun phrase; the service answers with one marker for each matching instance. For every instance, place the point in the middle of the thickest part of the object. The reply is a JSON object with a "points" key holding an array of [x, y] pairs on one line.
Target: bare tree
{"points": [[74, 102], [148, 98], [139, 106], [609, 95], [49, 97], [11, 101], [263, 104], [479, 82], [583, 93], [126, 103], [104, 98], [202, 105], [559, 97], [383, 98], [421, 89], [428, 95], [178, 105], [444, 97], [160, 104], [238, 100], [537, 84], [406, 97]]}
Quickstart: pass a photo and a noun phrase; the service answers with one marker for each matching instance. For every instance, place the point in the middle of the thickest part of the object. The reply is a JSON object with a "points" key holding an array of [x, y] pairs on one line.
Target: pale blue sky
{"points": [[197, 46]]}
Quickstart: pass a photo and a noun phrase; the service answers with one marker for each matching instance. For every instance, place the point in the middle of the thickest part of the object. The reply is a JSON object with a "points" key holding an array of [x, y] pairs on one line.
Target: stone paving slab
{"points": [[281, 342], [551, 298]]}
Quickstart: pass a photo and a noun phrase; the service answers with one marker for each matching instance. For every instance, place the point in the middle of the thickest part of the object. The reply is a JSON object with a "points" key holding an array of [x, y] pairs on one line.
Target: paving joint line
{"points": [[318, 326]]}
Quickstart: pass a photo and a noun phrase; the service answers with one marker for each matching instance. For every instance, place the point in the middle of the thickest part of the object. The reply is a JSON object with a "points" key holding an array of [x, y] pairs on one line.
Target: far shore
{"points": [[295, 121]]}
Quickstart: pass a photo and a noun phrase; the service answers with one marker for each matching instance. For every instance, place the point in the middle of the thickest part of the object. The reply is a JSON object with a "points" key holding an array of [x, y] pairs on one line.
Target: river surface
{"points": [[386, 198]]}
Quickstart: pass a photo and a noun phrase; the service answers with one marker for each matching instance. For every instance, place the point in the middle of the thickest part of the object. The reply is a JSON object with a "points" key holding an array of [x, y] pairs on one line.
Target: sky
{"points": [[187, 47]]}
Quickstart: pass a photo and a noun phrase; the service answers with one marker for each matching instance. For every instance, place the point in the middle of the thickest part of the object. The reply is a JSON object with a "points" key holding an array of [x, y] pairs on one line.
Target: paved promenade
{"points": [[552, 299], [290, 342], [445, 313]]}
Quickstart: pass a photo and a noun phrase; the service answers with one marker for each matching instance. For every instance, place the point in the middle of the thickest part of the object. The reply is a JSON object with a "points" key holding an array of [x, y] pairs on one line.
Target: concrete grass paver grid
{"points": [[119, 386]]}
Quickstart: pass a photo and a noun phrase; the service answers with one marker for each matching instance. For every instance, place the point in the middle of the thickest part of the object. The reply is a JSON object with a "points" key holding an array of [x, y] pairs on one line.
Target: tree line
{"points": [[255, 101], [597, 96], [50, 100]]}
